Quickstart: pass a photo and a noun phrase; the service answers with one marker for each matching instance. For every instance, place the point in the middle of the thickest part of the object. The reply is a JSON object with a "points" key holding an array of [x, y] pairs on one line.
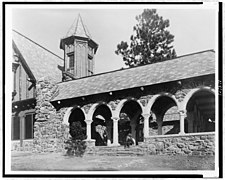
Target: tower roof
{"points": [[78, 29]]}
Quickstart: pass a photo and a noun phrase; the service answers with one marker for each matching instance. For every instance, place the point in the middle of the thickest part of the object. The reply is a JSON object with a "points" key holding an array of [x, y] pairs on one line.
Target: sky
{"points": [[194, 28]]}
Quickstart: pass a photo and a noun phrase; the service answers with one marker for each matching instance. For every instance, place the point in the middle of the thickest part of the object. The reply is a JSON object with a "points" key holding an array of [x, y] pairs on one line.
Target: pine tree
{"points": [[150, 43]]}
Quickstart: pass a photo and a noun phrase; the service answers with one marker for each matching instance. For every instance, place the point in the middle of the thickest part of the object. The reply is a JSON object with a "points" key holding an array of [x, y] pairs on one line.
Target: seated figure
{"points": [[129, 141]]}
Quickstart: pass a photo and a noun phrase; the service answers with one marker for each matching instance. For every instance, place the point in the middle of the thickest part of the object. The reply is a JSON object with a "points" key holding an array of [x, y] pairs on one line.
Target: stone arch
{"points": [[66, 116], [161, 106], [68, 112], [155, 97], [199, 106], [101, 129], [123, 102], [94, 107], [129, 111], [191, 93]]}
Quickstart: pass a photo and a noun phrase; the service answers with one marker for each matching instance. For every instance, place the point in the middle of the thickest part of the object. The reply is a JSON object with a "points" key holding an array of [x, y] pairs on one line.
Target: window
{"points": [[24, 128], [71, 61], [15, 128], [90, 66], [29, 126], [90, 52]]}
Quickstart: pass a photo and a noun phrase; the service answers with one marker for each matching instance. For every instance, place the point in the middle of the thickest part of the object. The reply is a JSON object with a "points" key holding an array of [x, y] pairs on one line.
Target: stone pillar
{"points": [[88, 129], [115, 131], [146, 125], [159, 120], [182, 116]]}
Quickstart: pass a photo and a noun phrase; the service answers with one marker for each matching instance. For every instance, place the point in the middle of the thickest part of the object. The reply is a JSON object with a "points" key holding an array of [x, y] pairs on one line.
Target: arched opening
{"points": [[200, 112], [102, 126], [131, 121], [77, 115], [165, 117]]}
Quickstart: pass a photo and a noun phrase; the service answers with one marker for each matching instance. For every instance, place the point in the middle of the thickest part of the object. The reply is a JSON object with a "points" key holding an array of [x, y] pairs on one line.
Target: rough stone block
{"points": [[196, 153], [186, 151], [184, 138], [160, 146], [203, 137], [151, 147], [171, 148], [210, 153], [174, 140], [191, 147], [178, 151], [180, 145]]}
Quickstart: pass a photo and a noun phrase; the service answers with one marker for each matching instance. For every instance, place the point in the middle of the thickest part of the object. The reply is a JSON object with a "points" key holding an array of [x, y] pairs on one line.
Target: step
{"points": [[116, 151]]}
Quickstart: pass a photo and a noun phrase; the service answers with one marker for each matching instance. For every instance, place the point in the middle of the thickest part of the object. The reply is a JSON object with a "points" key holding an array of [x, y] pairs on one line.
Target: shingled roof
{"points": [[193, 65], [40, 61]]}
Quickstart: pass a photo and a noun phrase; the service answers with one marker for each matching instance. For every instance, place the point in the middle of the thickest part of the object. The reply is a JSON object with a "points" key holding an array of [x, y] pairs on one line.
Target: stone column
{"points": [[115, 131], [182, 116], [88, 129], [146, 125]]}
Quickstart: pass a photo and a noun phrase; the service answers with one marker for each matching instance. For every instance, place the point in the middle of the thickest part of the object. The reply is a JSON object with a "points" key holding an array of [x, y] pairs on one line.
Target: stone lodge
{"points": [[168, 107]]}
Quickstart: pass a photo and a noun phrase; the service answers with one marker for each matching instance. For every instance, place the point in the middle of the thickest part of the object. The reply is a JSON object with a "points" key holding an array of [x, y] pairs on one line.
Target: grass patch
{"points": [[59, 162]]}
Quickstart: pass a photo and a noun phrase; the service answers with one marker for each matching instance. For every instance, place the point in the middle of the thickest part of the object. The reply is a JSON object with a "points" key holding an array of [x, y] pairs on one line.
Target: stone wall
{"points": [[188, 144], [49, 131], [27, 145]]}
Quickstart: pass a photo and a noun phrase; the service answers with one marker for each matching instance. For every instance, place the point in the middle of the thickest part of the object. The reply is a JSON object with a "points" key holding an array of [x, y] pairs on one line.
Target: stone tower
{"points": [[79, 50]]}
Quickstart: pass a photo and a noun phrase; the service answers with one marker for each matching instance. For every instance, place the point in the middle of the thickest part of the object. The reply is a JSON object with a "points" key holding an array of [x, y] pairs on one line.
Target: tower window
{"points": [[71, 61], [90, 67]]}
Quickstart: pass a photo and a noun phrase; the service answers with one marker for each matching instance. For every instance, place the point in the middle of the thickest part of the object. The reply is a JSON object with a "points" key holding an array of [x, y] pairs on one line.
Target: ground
{"points": [[58, 162]]}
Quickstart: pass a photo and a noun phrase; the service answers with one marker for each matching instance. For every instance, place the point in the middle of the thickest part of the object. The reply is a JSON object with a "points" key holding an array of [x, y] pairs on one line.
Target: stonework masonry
{"points": [[200, 144], [50, 132], [188, 144]]}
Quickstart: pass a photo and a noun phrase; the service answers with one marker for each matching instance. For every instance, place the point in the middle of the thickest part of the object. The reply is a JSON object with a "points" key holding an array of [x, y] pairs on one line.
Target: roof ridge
{"points": [[38, 44], [122, 69], [194, 53]]}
